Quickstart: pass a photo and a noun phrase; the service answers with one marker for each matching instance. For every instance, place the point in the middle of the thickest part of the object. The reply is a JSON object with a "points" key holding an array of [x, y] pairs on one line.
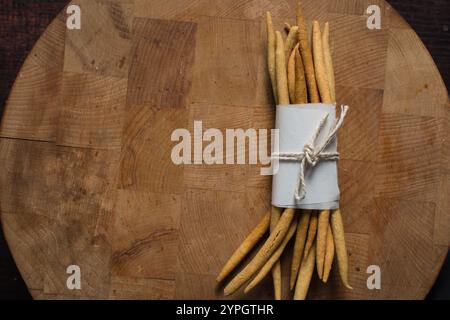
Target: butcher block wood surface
{"points": [[85, 147]]}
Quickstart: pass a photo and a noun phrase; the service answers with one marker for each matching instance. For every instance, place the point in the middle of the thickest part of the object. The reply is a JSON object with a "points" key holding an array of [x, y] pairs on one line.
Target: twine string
{"points": [[312, 154]]}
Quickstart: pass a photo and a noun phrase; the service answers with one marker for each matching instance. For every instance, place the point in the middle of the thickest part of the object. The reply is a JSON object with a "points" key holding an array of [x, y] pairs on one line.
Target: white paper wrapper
{"points": [[297, 124]]}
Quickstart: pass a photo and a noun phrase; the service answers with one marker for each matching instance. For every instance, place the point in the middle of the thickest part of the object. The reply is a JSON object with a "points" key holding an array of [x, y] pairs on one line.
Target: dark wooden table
{"points": [[23, 21]]}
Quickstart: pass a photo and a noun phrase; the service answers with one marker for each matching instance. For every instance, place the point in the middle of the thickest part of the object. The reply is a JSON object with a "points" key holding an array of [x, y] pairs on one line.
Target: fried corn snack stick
{"points": [[306, 53], [299, 246], [329, 61], [319, 64], [276, 271], [312, 231], [301, 93], [322, 230], [287, 27], [264, 254], [305, 275], [291, 41], [329, 255], [291, 76], [273, 260], [337, 227], [281, 73], [271, 55], [246, 246]]}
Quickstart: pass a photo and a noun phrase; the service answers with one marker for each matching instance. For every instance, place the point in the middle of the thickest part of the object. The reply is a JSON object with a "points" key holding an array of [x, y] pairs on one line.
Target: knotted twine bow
{"points": [[311, 154]]}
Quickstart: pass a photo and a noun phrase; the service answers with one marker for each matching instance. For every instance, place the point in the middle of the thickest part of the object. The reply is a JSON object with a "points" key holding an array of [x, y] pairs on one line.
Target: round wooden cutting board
{"points": [[85, 149]]}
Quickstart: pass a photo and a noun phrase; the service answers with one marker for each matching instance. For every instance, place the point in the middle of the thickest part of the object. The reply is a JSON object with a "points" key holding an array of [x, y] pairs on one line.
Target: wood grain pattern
{"points": [[110, 21], [419, 82], [406, 157], [137, 253], [228, 60], [123, 288], [360, 60], [388, 221], [146, 136], [35, 96], [92, 111], [85, 143], [154, 77], [360, 140]]}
